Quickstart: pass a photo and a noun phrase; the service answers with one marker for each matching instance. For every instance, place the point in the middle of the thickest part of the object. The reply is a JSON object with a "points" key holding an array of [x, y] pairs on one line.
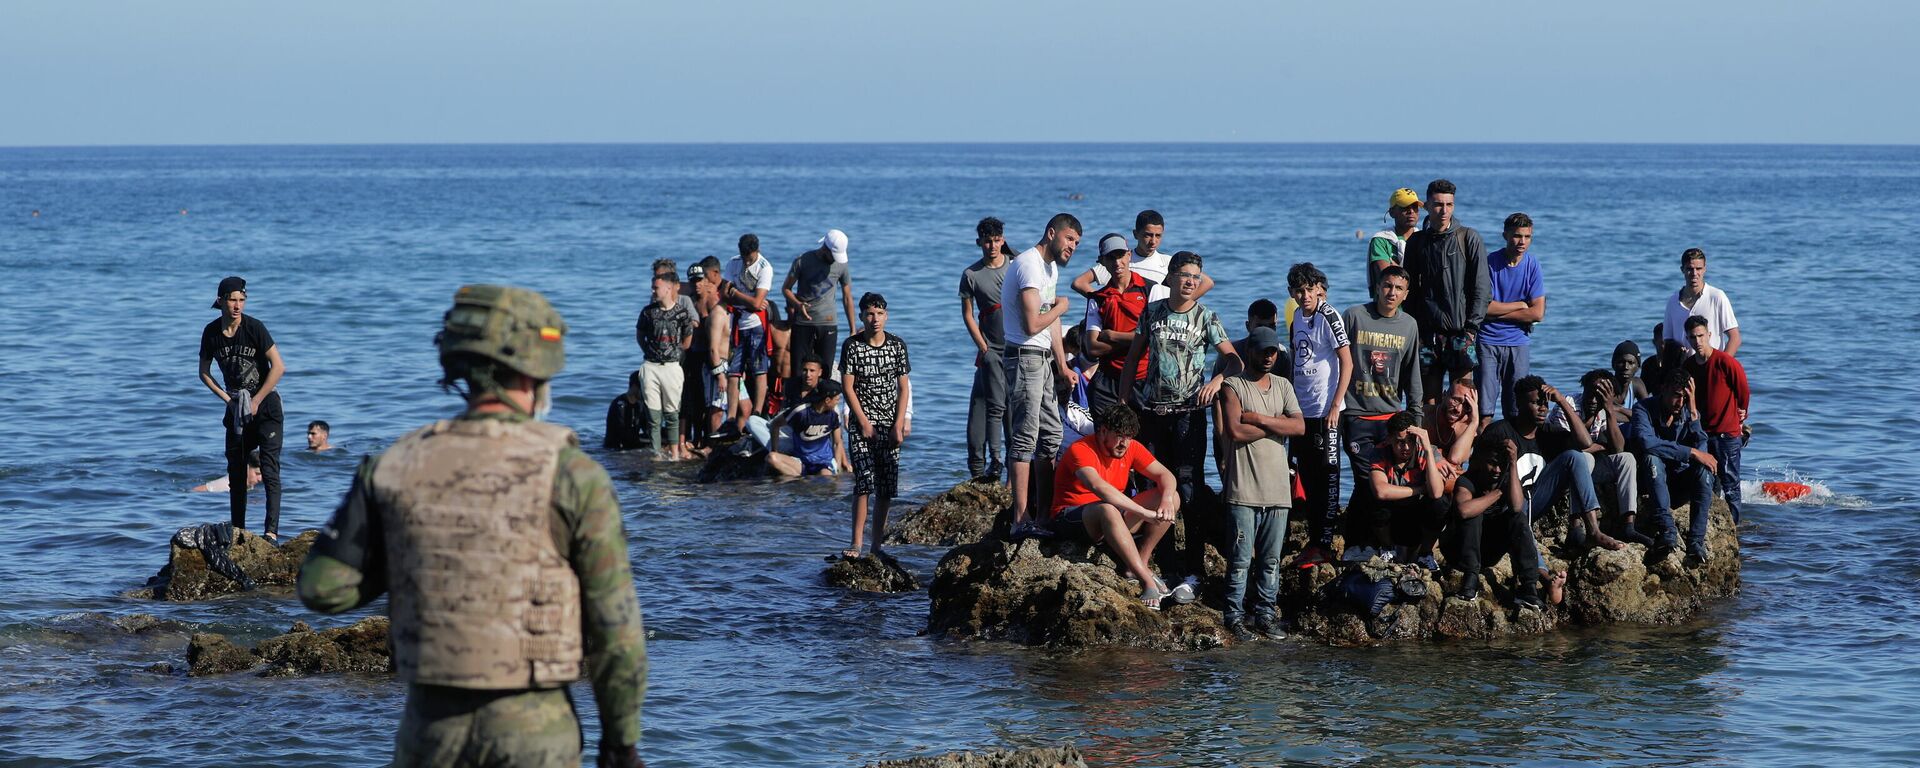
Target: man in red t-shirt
{"points": [[1113, 314], [1720, 381], [1090, 501]]}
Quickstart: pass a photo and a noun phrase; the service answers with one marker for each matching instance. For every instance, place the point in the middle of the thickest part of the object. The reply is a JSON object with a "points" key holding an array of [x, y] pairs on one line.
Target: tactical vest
{"points": [[479, 596]]}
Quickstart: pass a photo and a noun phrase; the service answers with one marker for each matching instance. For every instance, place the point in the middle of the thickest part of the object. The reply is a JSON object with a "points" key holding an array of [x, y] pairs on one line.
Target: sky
{"points": [[82, 72]]}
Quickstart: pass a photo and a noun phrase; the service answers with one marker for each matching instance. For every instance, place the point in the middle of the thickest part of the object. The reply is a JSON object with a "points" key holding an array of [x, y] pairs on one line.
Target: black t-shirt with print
{"points": [[876, 375], [242, 357]]}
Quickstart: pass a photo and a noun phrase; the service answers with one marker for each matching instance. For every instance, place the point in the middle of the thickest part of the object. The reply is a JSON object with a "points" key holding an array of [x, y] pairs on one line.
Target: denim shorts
{"points": [[749, 357]]}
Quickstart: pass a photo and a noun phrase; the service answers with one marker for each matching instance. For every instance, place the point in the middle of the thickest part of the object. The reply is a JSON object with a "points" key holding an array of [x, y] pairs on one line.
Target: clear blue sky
{"points": [[349, 71]]}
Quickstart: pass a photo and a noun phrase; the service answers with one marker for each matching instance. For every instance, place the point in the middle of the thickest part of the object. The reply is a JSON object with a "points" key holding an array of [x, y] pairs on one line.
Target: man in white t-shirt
{"points": [[1030, 315], [747, 280], [1148, 262], [1697, 299]]}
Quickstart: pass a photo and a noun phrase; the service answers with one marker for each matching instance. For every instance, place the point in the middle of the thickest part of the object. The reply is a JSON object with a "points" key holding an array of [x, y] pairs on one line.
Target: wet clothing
{"points": [[244, 365], [349, 566], [626, 425], [213, 541], [1177, 344], [813, 435]]}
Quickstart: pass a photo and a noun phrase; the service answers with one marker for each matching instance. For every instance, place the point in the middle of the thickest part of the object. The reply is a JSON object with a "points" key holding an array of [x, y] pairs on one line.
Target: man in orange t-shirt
{"points": [[1090, 501]]}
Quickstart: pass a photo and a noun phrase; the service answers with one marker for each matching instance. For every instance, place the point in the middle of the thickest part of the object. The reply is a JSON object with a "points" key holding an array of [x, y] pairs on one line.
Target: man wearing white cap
{"points": [[809, 292]]}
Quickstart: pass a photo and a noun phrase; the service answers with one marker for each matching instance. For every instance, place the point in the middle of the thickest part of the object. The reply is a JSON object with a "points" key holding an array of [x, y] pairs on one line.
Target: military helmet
{"points": [[515, 327]]}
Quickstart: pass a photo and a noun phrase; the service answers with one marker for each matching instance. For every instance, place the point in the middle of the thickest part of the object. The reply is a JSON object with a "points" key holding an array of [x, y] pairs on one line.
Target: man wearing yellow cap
{"points": [[1388, 247]]}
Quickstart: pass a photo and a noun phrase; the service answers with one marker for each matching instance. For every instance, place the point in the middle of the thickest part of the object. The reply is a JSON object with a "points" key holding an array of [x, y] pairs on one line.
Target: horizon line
{"points": [[916, 142]]}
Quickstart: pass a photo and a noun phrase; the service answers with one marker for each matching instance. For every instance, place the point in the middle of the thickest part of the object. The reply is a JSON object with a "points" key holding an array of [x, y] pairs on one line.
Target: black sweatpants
{"points": [[1317, 453], [263, 432], [816, 341], [1483, 540]]}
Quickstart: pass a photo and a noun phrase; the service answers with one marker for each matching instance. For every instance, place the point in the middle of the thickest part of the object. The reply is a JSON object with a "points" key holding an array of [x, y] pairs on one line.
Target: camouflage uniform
{"points": [[483, 724]]}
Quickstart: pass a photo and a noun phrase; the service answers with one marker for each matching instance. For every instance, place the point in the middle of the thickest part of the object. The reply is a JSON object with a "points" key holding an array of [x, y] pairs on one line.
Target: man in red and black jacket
{"points": [[1113, 314], [1721, 384]]}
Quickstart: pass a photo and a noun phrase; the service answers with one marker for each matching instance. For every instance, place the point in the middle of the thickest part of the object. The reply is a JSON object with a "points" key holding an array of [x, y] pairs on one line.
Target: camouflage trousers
{"points": [[456, 727]]}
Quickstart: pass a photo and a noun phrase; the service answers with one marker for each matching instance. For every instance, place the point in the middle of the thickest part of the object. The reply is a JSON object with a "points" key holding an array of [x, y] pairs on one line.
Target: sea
{"points": [[109, 258]]}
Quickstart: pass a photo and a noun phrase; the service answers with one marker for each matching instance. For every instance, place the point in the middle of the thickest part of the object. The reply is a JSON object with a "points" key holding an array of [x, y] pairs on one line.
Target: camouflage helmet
{"points": [[515, 327]]}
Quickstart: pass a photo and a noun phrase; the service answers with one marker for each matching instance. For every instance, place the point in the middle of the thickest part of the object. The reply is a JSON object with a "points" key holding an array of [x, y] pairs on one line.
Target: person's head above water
{"points": [[318, 434]]}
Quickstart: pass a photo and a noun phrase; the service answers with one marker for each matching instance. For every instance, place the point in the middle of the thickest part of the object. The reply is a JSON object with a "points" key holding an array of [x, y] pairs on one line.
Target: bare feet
{"points": [[1608, 542]]}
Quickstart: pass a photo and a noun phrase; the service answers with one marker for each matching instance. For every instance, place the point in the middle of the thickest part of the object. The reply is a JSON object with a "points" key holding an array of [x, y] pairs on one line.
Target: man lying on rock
{"points": [[1090, 502]]}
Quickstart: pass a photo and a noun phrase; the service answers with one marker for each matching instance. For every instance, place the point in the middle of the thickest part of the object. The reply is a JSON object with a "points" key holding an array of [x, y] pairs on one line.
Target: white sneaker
{"points": [[1184, 593]]}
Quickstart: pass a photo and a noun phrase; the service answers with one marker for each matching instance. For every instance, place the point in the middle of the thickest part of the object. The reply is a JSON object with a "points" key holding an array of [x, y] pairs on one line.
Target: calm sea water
{"points": [[353, 252]]}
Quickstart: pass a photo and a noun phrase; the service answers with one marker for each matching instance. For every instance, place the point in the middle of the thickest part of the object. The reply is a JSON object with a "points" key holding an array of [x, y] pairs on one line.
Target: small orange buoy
{"points": [[1784, 492]]}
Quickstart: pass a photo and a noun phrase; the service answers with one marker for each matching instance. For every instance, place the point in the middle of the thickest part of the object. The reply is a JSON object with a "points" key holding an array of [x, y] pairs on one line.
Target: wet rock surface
{"points": [[187, 578], [1061, 757], [1052, 593], [962, 515], [302, 651], [868, 573]]}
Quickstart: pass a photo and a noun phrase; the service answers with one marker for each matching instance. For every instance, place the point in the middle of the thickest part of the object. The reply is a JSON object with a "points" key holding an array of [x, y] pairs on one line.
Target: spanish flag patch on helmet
{"points": [[549, 333]]}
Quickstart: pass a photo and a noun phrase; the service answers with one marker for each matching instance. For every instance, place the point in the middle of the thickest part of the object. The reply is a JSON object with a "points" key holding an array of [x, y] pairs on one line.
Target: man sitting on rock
{"points": [[1408, 505], [819, 442], [1559, 454], [1090, 502], [1490, 500], [1672, 446]]}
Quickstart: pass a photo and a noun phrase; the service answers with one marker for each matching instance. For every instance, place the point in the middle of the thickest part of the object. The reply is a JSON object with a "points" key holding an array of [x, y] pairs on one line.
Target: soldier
{"points": [[502, 545]]}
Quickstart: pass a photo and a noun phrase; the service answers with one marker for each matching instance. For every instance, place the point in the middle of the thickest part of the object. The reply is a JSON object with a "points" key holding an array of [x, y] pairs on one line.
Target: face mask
{"points": [[542, 401]]}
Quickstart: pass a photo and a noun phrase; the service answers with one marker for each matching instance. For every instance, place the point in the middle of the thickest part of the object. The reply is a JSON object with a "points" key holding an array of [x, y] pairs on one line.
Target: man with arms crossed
{"points": [[1030, 315], [1255, 416]]}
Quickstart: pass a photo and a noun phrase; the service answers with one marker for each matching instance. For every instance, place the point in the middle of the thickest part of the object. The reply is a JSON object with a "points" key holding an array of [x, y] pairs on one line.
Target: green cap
{"points": [[515, 327]]}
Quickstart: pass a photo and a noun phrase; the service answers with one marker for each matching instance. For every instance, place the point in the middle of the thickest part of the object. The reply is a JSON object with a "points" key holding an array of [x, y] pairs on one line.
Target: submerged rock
{"points": [[1062, 757], [1066, 595], [361, 647], [723, 465], [871, 574], [187, 578], [961, 515]]}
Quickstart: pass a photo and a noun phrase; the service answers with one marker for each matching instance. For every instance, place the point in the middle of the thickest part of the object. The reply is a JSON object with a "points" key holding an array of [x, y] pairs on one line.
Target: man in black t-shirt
{"points": [[627, 419], [250, 368], [1554, 459], [1489, 528]]}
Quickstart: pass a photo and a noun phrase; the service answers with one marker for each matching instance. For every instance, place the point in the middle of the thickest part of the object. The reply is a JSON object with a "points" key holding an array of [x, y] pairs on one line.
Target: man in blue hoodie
{"points": [[1672, 446]]}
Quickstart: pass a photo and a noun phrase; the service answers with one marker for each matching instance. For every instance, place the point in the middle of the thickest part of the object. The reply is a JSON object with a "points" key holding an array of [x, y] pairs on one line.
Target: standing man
{"points": [[1147, 260], [1519, 301], [980, 285], [1721, 382], [1256, 414], [664, 331], [1034, 356], [1697, 299], [1447, 292], [1386, 374], [873, 371], [1174, 337], [809, 291], [1113, 315], [1388, 247], [250, 368], [746, 282], [502, 547], [1322, 371]]}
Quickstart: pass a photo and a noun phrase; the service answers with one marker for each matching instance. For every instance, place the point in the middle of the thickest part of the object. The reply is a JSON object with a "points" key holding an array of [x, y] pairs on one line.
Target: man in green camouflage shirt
{"points": [[493, 613]]}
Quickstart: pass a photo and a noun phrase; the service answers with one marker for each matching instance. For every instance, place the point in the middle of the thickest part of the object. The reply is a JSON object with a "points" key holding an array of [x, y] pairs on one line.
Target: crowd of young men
{"points": [[1425, 392]]}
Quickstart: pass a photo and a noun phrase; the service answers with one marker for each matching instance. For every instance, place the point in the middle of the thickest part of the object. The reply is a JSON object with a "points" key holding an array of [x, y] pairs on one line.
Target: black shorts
{"points": [[1070, 523]]}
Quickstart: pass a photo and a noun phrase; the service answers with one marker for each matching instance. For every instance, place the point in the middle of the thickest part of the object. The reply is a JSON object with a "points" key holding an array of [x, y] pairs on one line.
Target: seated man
{"points": [[1613, 466], [1628, 388], [788, 394], [1672, 445], [1557, 455], [627, 419], [1490, 524], [1452, 427], [819, 437], [1409, 506], [1090, 503]]}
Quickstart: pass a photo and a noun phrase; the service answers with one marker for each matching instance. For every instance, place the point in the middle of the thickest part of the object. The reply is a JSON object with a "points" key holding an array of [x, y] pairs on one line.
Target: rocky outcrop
{"points": [[962, 515], [187, 578], [1064, 595], [868, 573], [361, 647], [1062, 757]]}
